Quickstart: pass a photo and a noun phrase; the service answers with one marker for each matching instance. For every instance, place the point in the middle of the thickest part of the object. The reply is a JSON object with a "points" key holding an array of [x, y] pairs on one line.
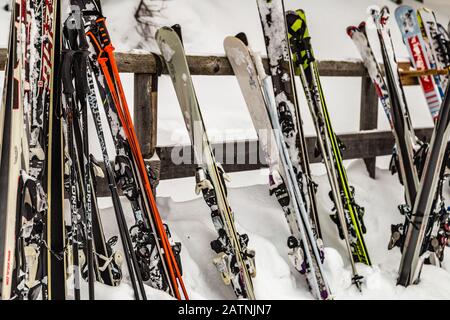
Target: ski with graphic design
{"points": [[349, 216], [394, 109], [416, 249], [14, 166], [38, 52], [282, 75], [436, 231], [306, 252], [234, 260], [434, 37], [412, 37]]}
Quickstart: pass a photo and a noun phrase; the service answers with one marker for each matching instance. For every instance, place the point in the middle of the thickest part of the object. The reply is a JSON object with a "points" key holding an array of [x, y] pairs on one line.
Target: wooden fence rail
{"points": [[367, 144]]}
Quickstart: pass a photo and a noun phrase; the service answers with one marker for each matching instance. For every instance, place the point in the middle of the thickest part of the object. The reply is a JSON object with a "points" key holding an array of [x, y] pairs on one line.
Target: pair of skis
{"points": [[289, 51], [295, 189], [390, 93], [348, 216], [426, 234], [306, 252], [411, 163], [31, 205], [91, 256]]}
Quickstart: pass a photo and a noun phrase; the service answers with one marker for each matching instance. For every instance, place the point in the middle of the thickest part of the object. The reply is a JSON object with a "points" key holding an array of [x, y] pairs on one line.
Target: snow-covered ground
{"points": [[205, 24], [261, 217]]}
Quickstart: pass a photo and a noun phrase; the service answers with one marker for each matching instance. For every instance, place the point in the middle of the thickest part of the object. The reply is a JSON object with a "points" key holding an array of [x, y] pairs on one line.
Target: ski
{"points": [[35, 259], [414, 251], [157, 254], [13, 163], [434, 36], [306, 252], [31, 273], [282, 75], [412, 37], [349, 214], [359, 37], [437, 229], [234, 260], [395, 111]]}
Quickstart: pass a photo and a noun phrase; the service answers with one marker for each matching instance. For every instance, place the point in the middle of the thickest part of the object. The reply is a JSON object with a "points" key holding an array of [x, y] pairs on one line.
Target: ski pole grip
{"points": [[67, 58], [83, 56]]}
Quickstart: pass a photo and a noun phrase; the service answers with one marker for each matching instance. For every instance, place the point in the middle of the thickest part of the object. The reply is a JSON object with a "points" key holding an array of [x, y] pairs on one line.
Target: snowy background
{"points": [[205, 24]]}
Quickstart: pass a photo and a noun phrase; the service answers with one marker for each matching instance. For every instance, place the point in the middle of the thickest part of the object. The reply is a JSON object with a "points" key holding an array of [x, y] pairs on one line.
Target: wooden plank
{"points": [[246, 156], [146, 112], [368, 117], [368, 144], [3, 54], [220, 66]]}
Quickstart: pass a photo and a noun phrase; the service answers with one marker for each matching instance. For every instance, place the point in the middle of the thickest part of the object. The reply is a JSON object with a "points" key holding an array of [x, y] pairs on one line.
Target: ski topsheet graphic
{"points": [[400, 115], [434, 38], [234, 260], [412, 36]]}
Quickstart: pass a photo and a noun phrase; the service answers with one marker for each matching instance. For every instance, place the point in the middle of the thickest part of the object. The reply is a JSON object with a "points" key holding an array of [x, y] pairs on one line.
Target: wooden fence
{"points": [[367, 144]]}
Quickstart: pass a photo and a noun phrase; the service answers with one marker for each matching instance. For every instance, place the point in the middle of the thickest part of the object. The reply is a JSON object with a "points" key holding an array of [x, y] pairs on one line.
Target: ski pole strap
{"points": [[81, 71]]}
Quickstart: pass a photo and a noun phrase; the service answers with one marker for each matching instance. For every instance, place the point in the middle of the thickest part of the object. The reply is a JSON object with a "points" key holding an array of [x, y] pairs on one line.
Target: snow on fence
{"points": [[367, 144]]}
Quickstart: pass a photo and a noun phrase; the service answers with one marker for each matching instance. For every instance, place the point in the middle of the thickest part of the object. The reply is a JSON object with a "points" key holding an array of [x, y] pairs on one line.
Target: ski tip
{"points": [[243, 37], [373, 10], [177, 29], [385, 12], [362, 26], [158, 32], [351, 30]]}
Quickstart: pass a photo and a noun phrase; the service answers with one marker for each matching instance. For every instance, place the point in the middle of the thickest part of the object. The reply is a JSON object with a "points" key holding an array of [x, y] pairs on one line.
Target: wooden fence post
{"points": [[369, 116], [146, 120]]}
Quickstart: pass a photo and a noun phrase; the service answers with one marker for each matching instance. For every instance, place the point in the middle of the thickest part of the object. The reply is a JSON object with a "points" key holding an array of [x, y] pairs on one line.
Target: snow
{"points": [[261, 217], [205, 24]]}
